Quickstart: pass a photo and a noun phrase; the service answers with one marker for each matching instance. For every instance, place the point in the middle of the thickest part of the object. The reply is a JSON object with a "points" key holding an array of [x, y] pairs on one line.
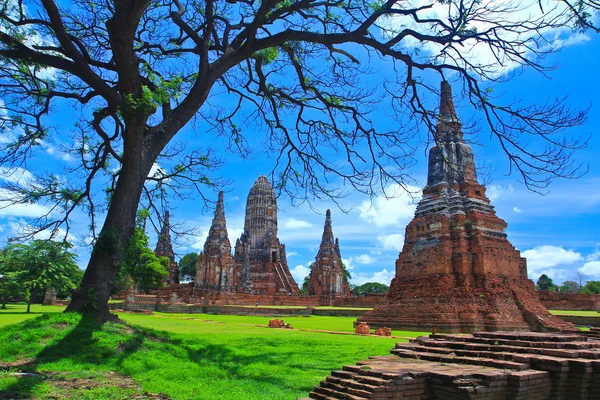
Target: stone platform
{"points": [[482, 365]]}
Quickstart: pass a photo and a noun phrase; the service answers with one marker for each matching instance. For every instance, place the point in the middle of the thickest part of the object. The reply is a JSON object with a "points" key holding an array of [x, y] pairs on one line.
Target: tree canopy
{"points": [[544, 282], [569, 286], [187, 267], [140, 263], [30, 269], [370, 288], [132, 74], [591, 287]]}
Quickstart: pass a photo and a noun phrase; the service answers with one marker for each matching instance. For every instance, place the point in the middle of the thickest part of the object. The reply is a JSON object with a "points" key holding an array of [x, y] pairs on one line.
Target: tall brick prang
{"points": [[164, 248], [259, 254], [326, 277], [215, 268], [457, 271]]}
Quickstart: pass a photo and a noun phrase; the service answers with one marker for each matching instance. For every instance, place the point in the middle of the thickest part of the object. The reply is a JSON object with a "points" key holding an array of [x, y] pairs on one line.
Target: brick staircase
{"points": [[484, 365]]}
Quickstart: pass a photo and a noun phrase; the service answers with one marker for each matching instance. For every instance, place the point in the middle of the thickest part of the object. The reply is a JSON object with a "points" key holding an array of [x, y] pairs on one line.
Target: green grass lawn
{"points": [[185, 356], [15, 313], [265, 306], [576, 313]]}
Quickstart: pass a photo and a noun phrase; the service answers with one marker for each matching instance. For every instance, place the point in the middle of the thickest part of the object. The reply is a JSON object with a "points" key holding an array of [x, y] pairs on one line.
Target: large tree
{"points": [[544, 282], [132, 73], [187, 267], [37, 267]]}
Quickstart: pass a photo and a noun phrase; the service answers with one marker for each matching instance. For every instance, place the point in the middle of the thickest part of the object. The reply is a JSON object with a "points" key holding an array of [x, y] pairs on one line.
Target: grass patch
{"points": [[576, 313], [185, 356], [264, 306], [15, 312]]}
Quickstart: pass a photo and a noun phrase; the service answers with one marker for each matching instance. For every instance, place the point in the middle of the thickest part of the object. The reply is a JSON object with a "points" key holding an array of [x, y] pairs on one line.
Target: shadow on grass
{"points": [[79, 347], [24, 313], [90, 346]]}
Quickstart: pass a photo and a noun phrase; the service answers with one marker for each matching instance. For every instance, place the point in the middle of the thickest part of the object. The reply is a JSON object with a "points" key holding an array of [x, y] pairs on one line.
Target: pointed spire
{"points": [[328, 230], [220, 210], [166, 224], [448, 126], [218, 238], [163, 245]]}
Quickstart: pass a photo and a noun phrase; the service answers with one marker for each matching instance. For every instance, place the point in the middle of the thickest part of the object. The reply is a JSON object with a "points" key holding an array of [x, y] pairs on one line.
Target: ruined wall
{"points": [[569, 301]]}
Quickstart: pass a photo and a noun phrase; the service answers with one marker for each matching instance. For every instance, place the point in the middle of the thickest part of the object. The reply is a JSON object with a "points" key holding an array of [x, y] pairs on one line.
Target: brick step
{"points": [[334, 394], [530, 336], [517, 354], [342, 374], [472, 341], [453, 359], [496, 355]]}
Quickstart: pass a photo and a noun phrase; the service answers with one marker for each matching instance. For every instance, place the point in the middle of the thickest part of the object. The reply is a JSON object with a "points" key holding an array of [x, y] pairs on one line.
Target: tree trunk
{"points": [[105, 262], [29, 300], [4, 302]]}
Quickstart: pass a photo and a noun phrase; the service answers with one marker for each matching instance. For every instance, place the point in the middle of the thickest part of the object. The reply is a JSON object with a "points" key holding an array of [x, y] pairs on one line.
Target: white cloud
{"points": [[291, 254], [510, 20], [394, 241], [383, 276], [494, 192], [234, 234], [364, 259], [156, 171], [348, 263], [543, 259], [591, 268], [197, 241], [517, 210], [299, 273], [296, 224], [595, 256], [397, 210], [17, 175], [56, 153], [21, 228], [8, 209]]}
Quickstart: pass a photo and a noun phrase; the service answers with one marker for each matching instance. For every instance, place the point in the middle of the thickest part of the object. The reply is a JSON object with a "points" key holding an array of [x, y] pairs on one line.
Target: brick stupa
{"points": [[259, 254], [215, 268], [457, 271], [326, 277], [164, 248]]}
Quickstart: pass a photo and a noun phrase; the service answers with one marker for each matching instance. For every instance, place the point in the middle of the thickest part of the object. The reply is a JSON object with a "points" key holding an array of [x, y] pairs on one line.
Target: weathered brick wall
{"points": [[569, 301], [360, 301], [581, 320]]}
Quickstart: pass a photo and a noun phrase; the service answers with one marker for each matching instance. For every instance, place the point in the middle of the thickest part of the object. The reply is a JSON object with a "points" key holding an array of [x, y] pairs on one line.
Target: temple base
{"points": [[463, 304]]}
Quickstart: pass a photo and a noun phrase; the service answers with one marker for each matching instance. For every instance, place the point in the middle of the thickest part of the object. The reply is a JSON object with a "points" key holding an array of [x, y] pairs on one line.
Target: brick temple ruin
{"points": [[259, 263], [164, 248], [259, 255], [215, 268], [257, 271], [327, 278], [457, 271], [482, 365]]}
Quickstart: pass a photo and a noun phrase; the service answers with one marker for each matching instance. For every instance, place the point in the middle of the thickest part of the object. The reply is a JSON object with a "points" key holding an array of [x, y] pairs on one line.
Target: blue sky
{"points": [[557, 232]]}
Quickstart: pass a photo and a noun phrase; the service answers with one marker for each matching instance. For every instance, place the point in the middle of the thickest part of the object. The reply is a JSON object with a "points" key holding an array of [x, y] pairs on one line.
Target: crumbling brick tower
{"points": [[215, 268], [259, 255], [326, 277], [457, 272], [164, 248]]}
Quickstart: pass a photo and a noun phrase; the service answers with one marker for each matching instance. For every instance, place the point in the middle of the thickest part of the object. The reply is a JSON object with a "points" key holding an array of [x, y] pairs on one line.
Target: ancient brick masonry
{"points": [[484, 365], [326, 277], [215, 268], [457, 271], [164, 248], [259, 255]]}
